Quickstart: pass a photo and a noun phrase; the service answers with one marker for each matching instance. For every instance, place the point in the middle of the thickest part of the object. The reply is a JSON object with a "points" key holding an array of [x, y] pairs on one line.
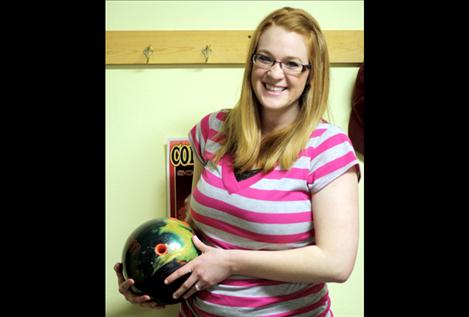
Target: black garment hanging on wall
{"points": [[357, 117]]}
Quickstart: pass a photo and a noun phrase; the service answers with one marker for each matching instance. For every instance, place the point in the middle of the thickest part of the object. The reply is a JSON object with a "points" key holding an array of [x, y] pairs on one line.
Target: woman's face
{"points": [[275, 89]]}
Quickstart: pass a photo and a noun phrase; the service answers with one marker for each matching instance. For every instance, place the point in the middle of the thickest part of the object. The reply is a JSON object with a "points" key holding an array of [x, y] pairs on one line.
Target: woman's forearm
{"points": [[304, 265]]}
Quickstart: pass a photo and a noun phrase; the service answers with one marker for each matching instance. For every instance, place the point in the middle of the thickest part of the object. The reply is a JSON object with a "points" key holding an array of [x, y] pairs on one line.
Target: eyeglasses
{"points": [[289, 67]]}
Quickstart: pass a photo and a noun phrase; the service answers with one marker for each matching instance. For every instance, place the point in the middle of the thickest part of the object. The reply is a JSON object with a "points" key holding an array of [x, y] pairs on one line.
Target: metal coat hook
{"points": [[147, 51], [206, 51]]}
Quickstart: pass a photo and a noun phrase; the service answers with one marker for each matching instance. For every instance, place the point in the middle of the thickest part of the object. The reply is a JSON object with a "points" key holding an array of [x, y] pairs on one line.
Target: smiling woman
{"points": [[274, 200], [278, 106], [279, 87]]}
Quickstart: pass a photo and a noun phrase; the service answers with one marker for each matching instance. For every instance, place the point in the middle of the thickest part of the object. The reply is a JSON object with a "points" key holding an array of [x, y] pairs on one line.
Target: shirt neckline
{"points": [[229, 179]]}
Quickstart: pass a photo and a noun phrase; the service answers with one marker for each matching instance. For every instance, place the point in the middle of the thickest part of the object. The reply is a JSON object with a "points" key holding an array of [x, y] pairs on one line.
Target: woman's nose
{"points": [[276, 71]]}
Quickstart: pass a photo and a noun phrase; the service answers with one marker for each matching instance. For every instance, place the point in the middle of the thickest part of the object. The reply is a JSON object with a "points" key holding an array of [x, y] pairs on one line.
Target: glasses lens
{"points": [[263, 60], [293, 66]]}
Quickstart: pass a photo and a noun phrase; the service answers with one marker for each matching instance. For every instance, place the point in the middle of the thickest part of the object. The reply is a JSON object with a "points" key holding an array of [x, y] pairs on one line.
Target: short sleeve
{"points": [[331, 154], [202, 136]]}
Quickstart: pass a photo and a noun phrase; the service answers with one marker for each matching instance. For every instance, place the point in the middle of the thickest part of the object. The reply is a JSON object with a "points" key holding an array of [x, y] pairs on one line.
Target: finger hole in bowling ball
{"points": [[161, 249]]}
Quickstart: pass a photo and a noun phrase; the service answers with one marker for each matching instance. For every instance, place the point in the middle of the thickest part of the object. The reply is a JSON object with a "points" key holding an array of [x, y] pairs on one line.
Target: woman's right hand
{"points": [[124, 289]]}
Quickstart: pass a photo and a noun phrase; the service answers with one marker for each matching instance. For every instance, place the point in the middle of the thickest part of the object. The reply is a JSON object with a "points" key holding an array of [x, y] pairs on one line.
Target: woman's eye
{"points": [[264, 58], [292, 64]]}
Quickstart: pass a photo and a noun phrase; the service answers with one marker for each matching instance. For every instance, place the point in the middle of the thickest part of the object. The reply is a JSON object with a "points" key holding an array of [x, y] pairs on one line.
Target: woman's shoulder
{"points": [[211, 121], [325, 130], [219, 115]]}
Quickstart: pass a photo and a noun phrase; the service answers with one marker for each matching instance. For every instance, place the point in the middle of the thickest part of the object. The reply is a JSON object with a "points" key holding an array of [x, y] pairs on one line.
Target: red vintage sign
{"points": [[180, 166]]}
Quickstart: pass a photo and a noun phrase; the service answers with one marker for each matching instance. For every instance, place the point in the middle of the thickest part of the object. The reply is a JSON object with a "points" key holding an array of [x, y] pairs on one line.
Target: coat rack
{"points": [[210, 47]]}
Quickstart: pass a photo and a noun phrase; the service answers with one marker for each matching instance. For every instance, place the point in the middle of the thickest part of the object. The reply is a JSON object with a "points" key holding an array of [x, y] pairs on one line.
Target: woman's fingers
{"points": [[177, 274], [199, 244], [194, 289], [139, 299], [120, 276], [186, 286], [124, 289]]}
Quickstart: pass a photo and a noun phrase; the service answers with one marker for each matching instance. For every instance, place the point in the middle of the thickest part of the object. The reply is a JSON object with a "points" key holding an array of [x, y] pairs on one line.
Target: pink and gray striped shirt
{"points": [[267, 211]]}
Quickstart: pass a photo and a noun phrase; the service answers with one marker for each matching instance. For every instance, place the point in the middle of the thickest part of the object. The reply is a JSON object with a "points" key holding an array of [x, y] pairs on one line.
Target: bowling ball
{"points": [[153, 251]]}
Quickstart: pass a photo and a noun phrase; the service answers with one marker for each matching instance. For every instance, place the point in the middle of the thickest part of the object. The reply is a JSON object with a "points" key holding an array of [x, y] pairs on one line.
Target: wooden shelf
{"points": [[225, 47]]}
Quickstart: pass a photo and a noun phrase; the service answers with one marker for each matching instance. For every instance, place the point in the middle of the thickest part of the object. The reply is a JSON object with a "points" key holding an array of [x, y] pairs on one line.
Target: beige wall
{"points": [[147, 105]]}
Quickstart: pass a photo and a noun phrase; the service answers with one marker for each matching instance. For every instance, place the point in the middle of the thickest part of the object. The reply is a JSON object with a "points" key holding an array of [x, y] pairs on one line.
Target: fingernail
{"points": [[166, 281]]}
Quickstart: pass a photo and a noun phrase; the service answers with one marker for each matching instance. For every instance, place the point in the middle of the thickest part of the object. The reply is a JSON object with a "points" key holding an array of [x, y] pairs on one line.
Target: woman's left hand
{"points": [[208, 269]]}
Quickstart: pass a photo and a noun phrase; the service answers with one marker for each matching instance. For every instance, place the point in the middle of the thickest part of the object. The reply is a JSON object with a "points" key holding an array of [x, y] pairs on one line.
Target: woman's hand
{"points": [[124, 289], [208, 269]]}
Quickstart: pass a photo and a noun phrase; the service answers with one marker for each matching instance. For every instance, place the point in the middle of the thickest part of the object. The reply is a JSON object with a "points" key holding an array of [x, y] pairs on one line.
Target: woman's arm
{"points": [[330, 260]]}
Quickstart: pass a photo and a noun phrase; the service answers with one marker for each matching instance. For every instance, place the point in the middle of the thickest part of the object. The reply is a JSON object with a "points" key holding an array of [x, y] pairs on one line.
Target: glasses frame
{"points": [[281, 63]]}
